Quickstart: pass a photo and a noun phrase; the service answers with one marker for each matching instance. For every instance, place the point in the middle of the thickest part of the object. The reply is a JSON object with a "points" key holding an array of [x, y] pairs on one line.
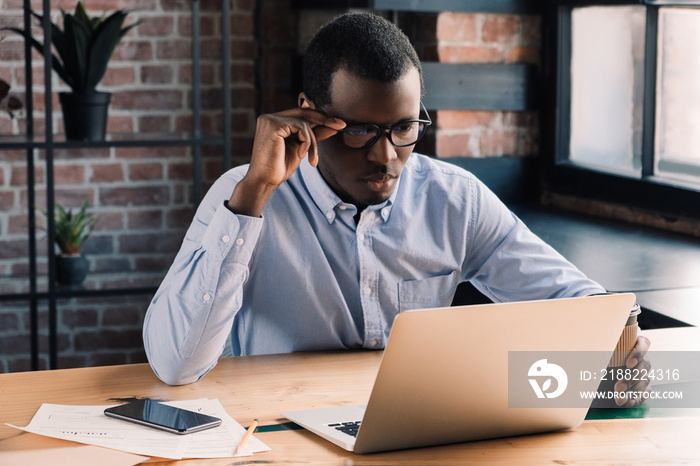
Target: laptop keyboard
{"points": [[349, 428]]}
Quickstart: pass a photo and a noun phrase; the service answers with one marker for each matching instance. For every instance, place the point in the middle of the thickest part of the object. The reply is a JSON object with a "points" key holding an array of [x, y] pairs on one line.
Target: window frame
{"points": [[563, 176]]}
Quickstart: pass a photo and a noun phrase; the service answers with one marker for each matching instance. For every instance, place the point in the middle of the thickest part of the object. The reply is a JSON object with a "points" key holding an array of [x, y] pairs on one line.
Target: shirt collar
{"points": [[328, 202]]}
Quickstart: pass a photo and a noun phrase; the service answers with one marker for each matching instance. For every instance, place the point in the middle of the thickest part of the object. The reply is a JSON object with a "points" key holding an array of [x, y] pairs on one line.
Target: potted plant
{"points": [[71, 230], [83, 50], [8, 103]]}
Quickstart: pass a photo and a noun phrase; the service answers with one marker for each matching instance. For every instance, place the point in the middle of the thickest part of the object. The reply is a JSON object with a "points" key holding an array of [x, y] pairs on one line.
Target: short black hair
{"points": [[362, 43]]}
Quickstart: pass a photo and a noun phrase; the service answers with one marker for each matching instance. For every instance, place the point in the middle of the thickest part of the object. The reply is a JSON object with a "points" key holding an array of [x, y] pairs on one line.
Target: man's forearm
{"points": [[185, 329], [192, 313]]}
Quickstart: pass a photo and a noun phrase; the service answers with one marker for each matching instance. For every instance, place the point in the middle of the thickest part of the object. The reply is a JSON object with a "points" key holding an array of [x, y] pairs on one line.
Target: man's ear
{"points": [[305, 102]]}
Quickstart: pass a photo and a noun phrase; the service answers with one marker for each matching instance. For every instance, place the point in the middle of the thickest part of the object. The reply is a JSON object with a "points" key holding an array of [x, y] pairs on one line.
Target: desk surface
{"points": [[263, 386]]}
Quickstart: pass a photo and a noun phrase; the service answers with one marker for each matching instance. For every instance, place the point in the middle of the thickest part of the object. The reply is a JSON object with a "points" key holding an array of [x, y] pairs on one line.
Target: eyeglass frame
{"points": [[387, 130]]}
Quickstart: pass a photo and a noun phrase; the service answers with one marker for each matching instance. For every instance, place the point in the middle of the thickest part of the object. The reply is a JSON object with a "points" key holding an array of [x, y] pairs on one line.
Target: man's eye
{"points": [[359, 130], [403, 128]]}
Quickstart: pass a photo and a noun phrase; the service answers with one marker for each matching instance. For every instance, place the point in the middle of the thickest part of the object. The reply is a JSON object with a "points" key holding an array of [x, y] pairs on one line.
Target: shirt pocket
{"points": [[428, 292]]}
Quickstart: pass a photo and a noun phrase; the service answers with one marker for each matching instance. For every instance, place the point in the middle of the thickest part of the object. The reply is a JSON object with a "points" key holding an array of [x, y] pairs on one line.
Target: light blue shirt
{"points": [[306, 277]]}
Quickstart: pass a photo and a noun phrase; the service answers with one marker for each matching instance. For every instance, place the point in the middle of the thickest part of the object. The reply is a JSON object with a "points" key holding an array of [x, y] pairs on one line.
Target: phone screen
{"points": [[157, 415]]}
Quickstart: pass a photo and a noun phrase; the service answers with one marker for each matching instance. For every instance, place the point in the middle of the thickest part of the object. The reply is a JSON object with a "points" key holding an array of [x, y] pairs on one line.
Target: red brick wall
{"points": [[144, 195], [487, 38]]}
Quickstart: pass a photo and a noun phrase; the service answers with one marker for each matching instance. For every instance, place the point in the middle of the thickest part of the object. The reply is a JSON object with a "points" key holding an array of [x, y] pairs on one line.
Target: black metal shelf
{"points": [[63, 292], [112, 283], [48, 290], [20, 142]]}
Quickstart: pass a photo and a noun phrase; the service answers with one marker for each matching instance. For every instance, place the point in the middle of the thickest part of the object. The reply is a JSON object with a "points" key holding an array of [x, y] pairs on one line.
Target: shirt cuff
{"points": [[232, 236]]}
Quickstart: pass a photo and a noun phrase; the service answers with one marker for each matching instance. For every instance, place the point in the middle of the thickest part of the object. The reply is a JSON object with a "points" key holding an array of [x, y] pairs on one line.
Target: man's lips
{"points": [[379, 177], [379, 182]]}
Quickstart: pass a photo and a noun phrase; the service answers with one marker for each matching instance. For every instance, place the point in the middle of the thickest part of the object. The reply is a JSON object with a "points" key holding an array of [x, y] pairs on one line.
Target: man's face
{"points": [[368, 176]]}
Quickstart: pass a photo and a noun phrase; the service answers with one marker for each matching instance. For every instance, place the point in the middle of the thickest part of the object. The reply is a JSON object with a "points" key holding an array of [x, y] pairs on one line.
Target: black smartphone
{"points": [[160, 416]]}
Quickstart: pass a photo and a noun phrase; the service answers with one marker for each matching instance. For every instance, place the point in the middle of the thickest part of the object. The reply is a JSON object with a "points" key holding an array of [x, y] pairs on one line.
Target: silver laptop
{"points": [[443, 377]]}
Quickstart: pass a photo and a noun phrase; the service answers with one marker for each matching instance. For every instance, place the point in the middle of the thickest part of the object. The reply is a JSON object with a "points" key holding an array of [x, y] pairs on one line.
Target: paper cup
{"points": [[627, 339], [617, 361]]}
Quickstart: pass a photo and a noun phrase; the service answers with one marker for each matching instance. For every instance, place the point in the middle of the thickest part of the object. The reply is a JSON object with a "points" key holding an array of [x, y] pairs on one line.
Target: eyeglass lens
{"points": [[404, 133]]}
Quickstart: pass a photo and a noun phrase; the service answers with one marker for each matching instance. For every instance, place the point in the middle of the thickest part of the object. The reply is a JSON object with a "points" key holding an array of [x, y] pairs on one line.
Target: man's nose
{"points": [[383, 151]]}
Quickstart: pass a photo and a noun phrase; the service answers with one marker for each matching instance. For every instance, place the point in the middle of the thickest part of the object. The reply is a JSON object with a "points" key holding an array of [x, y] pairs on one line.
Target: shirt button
{"points": [[329, 215], [368, 291], [343, 207], [373, 343], [240, 241], [226, 238], [362, 237], [206, 297]]}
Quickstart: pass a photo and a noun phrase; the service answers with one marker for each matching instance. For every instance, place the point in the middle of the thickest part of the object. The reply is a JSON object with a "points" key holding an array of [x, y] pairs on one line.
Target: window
{"points": [[623, 108], [678, 95]]}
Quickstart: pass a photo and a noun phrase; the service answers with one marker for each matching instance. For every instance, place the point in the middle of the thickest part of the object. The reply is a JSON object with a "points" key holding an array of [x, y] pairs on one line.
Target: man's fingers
{"points": [[324, 132], [309, 135], [311, 117], [318, 118], [638, 352], [632, 401], [305, 140], [313, 155], [635, 360], [322, 125], [639, 383]]}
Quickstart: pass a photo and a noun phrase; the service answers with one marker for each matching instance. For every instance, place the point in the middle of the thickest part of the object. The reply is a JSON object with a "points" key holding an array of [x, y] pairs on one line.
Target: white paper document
{"points": [[89, 425]]}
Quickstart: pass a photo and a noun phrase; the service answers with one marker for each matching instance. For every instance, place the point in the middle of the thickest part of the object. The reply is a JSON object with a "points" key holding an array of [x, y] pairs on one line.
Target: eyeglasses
{"points": [[402, 134]]}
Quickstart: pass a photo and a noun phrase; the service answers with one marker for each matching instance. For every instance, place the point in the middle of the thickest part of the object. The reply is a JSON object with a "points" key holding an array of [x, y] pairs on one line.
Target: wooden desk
{"points": [[263, 386]]}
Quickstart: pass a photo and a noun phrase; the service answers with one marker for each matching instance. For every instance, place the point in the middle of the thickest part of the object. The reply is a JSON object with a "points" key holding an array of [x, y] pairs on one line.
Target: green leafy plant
{"points": [[84, 46], [71, 230]]}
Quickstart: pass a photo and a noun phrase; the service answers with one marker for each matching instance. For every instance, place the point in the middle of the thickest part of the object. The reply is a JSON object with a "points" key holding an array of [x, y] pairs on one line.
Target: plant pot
{"points": [[71, 270], [85, 115]]}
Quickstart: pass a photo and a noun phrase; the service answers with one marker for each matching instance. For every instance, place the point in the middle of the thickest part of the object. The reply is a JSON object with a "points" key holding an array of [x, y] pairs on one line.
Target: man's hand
{"points": [[635, 360], [282, 140]]}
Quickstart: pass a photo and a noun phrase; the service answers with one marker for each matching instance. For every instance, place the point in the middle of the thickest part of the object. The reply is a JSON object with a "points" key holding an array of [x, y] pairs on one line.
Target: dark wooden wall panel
{"points": [[473, 6], [480, 86], [480, 6]]}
